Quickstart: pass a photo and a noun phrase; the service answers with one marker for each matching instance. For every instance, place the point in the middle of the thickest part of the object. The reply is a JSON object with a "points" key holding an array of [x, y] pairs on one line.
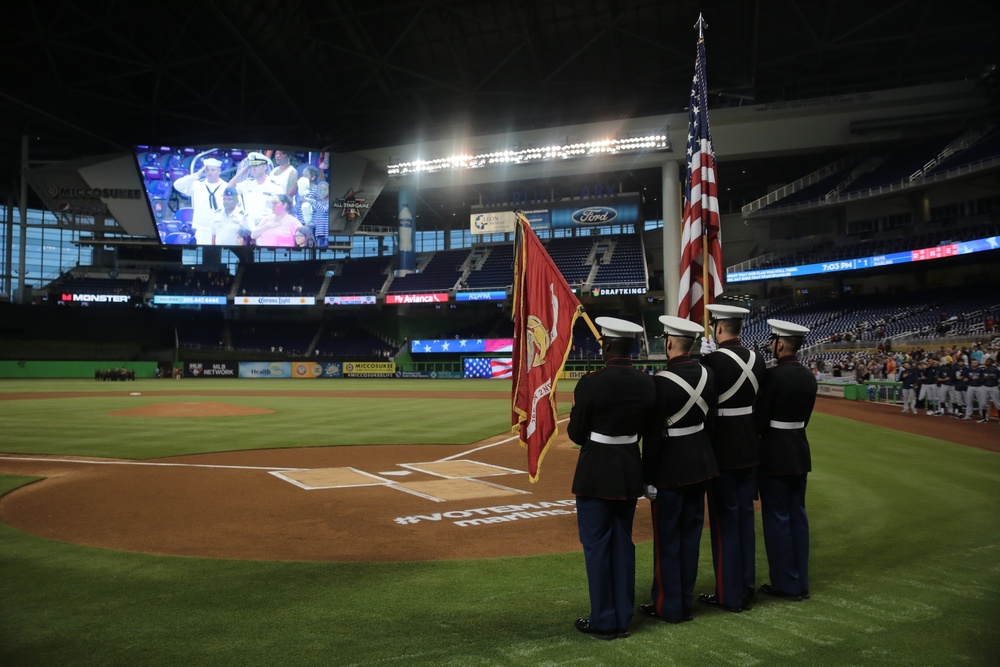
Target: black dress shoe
{"points": [[649, 609], [768, 589], [713, 600], [622, 633], [583, 625]]}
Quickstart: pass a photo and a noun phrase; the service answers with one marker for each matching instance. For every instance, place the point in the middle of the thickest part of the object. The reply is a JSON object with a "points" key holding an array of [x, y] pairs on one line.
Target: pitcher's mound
{"points": [[199, 409]]}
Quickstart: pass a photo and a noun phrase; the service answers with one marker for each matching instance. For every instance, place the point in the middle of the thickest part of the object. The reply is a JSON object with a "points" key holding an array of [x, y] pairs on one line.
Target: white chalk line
{"points": [[221, 466], [146, 463], [492, 444]]}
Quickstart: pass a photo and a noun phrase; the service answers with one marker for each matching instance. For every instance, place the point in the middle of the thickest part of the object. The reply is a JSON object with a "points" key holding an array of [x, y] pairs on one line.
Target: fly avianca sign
{"points": [[440, 297]]}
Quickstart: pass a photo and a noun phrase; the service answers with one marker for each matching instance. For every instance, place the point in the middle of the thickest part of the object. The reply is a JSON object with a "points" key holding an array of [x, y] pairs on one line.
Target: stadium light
{"points": [[534, 154]]}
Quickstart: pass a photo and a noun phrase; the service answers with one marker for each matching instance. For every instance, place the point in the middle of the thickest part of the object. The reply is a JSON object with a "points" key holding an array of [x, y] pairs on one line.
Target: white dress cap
{"points": [[612, 327], [678, 326], [788, 329], [723, 312], [212, 162], [257, 158]]}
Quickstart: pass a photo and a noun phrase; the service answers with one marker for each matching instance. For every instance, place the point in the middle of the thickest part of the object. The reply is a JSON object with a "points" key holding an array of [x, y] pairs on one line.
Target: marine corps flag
{"points": [[545, 310]]}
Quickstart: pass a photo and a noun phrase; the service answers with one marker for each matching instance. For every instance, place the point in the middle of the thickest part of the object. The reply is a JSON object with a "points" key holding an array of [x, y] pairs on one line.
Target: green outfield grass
{"points": [[905, 565]]}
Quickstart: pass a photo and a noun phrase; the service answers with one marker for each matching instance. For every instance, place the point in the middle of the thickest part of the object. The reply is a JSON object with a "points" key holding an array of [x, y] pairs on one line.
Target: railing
{"points": [[888, 188]]}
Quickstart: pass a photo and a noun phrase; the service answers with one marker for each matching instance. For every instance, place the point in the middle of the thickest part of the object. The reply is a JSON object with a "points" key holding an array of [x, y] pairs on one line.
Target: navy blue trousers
{"points": [[731, 523], [606, 535], [678, 520], [786, 531]]}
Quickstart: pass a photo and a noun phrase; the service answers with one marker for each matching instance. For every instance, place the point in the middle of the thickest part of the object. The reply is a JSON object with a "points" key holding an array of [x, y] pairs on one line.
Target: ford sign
{"points": [[594, 215]]}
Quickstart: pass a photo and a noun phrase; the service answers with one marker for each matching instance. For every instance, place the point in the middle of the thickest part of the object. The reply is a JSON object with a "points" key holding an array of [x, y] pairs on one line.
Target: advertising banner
{"points": [[189, 300], [430, 375], [396, 299], [495, 295], [265, 369], [96, 298], [275, 301], [370, 369], [498, 222], [315, 369], [592, 212], [211, 369], [95, 187], [368, 300]]}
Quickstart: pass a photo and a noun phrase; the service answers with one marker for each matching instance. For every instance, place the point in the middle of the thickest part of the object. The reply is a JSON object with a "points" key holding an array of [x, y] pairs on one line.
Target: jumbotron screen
{"points": [[265, 197]]}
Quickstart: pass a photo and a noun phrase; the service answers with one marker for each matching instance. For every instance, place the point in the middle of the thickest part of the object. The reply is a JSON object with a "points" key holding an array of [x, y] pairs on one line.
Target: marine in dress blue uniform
{"points": [[611, 408], [678, 462], [784, 406], [738, 373]]}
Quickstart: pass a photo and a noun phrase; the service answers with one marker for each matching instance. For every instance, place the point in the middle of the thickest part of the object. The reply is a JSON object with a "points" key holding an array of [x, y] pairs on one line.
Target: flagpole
{"points": [[704, 282], [701, 25]]}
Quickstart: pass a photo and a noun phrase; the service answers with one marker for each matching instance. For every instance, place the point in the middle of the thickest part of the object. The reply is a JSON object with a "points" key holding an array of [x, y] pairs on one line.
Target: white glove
{"points": [[650, 492], [707, 346]]}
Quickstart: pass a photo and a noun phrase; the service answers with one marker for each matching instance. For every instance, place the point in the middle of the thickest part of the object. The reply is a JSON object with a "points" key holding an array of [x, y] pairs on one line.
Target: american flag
{"points": [[488, 368], [701, 205]]}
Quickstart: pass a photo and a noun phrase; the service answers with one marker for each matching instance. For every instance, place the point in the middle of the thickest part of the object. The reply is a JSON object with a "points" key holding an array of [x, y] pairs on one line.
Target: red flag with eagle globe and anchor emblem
{"points": [[545, 310]]}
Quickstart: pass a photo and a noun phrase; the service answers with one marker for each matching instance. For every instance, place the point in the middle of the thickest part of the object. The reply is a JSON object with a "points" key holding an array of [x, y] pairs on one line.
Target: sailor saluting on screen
{"points": [[204, 187]]}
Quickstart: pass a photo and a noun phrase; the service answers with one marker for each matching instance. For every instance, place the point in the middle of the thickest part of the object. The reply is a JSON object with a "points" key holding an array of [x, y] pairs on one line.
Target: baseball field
{"points": [[391, 522]]}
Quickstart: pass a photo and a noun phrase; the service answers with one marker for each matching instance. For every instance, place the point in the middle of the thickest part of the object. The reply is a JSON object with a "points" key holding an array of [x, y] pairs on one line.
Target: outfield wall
{"points": [[72, 369]]}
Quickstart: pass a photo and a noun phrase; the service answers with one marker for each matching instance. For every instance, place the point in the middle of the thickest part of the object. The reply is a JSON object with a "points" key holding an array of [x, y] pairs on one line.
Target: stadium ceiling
{"points": [[83, 79]]}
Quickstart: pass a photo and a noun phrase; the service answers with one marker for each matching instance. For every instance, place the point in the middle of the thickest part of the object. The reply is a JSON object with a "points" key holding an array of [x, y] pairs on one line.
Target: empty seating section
{"points": [[358, 277], [440, 274], [191, 281], [283, 278], [290, 338], [899, 165], [626, 266], [570, 256], [349, 339], [986, 148], [896, 168], [496, 270], [202, 332], [812, 192]]}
